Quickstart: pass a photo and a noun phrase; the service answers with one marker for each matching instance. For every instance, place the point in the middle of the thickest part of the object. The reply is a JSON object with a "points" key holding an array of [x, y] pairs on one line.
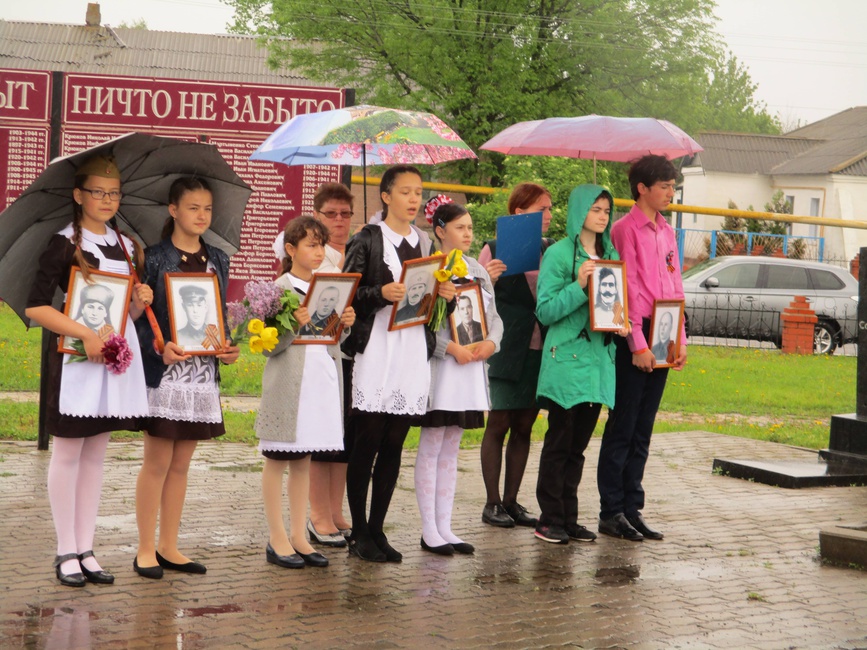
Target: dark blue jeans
{"points": [[626, 440]]}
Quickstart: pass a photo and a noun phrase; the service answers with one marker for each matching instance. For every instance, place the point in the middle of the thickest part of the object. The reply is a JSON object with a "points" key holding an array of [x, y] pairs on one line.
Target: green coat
{"points": [[577, 363]]}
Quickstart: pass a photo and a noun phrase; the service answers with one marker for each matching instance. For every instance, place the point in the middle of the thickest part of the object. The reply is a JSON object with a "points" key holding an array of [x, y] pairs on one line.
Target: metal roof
{"points": [[835, 145], [139, 52]]}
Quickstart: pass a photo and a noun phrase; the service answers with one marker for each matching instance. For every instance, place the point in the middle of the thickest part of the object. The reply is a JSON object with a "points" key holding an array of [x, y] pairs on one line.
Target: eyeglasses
{"points": [[333, 214], [99, 195]]}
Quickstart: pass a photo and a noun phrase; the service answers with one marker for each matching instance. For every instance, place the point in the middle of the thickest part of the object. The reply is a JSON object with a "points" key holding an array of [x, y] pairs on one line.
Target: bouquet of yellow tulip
{"points": [[455, 266], [265, 314]]}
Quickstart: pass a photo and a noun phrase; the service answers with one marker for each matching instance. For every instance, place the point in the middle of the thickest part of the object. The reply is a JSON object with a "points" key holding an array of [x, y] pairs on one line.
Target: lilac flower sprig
{"points": [[266, 302]]}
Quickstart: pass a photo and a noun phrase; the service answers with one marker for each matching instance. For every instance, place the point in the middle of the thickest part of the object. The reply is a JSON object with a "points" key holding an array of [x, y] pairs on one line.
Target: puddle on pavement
{"points": [[618, 574], [194, 612]]}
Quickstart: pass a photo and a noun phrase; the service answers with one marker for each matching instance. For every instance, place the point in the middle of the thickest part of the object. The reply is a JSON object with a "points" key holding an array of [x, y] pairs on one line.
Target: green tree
{"points": [[483, 65]]}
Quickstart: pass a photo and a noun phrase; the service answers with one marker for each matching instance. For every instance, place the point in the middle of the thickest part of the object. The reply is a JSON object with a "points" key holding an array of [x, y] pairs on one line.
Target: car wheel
{"points": [[824, 338]]}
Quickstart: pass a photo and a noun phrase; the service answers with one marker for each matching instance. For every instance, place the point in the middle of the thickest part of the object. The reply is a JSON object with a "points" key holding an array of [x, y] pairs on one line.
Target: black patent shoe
{"points": [[186, 567], [521, 516], [638, 523], [442, 549], [294, 561], [464, 548], [68, 579], [152, 572], [391, 554], [618, 526], [101, 577], [366, 549], [496, 515], [313, 559]]}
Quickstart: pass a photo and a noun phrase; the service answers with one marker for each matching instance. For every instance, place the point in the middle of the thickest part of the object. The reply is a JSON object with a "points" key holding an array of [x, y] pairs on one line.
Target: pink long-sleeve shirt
{"points": [[652, 268]]}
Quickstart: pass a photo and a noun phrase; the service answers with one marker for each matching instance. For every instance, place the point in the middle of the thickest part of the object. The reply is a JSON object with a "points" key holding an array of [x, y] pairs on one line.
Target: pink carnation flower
{"points": [[117, 354]]}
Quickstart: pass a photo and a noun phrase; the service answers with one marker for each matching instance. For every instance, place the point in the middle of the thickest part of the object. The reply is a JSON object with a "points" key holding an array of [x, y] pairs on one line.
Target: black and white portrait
{"points": [[102, 304], [417, 305], [608, 296], [195, 312], [467, 322], [327, 298], [666, 324]]}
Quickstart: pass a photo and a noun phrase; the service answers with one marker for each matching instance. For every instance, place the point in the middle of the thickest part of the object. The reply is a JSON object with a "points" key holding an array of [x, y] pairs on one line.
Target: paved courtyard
{"points": [[738, 567]]}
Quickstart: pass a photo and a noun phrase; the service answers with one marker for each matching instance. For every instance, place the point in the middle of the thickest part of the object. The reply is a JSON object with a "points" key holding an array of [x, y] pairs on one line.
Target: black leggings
{"points": [[378, 437]]}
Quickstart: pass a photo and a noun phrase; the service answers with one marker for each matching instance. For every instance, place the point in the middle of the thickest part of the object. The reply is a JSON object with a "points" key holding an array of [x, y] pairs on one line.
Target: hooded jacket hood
{"points": [[581, 200]]}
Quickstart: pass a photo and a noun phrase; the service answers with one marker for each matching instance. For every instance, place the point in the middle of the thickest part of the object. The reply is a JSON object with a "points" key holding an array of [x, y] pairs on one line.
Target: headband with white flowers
{"points": [[431, 206]]}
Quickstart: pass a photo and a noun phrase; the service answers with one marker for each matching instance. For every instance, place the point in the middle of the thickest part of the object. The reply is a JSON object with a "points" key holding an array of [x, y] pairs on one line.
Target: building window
{"points": [[814, 212]]}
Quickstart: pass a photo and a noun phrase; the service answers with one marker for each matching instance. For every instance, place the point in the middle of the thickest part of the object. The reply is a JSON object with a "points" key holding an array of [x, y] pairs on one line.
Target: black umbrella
{"points": [[148, 166]]}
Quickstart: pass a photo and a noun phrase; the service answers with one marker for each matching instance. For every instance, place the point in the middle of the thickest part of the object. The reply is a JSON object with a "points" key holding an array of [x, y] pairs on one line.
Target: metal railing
{"points": [[696, 245]]}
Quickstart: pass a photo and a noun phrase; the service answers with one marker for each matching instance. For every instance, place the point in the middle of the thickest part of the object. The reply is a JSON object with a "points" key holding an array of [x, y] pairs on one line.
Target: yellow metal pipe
{"points": [[674, 207]]}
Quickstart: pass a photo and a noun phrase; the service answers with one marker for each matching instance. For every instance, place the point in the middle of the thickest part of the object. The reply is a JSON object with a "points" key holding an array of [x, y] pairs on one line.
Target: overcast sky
{"points": [[809, 58]]}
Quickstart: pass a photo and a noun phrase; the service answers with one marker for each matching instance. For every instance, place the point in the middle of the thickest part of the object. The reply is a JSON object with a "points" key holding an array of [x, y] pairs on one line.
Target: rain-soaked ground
{"points": [[738, 567]]}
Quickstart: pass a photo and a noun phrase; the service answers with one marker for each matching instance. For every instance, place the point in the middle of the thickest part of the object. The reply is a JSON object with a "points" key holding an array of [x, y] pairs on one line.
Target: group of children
{"points": [[351, 404]]}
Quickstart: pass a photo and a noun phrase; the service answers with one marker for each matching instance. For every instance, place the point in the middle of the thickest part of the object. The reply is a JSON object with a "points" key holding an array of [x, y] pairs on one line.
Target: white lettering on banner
{"points": [[201, 105], [7, 99]]}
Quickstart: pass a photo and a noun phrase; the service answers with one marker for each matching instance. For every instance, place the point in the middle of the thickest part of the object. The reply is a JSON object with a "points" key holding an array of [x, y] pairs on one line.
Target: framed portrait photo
{"points": [[195, 312], [467, 321], [421, 285], [609, 309], [328, 295], [666, 324], [101, 303]]}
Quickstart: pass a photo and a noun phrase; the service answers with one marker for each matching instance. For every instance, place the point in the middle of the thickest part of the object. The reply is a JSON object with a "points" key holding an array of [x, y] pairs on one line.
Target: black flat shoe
{"points": [[638, 523], [442, 549], [366, 549], [464, 548], [186, 567], [496, 515], [618, 526], [68, 579], [313, 559], [152, 572], [391, 554], [521, 516], [101, 577], [294, 561]]}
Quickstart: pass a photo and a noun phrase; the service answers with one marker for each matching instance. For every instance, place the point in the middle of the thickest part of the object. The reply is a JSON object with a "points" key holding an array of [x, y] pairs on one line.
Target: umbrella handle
{"points": [[159, 341]]}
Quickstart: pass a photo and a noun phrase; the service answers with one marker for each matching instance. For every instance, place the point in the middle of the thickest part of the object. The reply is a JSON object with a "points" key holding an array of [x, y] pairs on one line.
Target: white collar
{"points": [[396, 239]]}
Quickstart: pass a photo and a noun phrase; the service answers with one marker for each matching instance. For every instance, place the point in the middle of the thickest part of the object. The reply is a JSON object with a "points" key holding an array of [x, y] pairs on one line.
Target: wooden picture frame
{"points": [[608, 313], [327, 297], [196, 312], [666, 324], [101, 303], [417, 305], [469, 327]]}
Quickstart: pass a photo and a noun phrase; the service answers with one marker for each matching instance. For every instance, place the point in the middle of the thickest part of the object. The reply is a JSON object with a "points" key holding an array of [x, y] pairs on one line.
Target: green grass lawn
{"points": [[759, 394]]}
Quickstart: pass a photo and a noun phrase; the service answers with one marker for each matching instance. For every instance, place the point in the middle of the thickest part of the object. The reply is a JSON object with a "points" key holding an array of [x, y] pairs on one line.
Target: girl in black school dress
{"points": [[85, 402], [183, 390], [391, 374]]}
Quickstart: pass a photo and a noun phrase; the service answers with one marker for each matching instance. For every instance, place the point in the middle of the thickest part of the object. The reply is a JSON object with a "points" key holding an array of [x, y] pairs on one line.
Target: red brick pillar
{"points": [[855, 266], [799, 322]]}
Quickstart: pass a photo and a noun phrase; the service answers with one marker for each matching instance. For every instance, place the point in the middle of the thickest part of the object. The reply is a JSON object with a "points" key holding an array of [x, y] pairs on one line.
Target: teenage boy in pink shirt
{"points": [[647, 244]]}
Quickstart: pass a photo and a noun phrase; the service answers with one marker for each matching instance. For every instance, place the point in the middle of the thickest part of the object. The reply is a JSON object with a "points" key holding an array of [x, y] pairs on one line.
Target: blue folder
{"points": [[519, 242]]}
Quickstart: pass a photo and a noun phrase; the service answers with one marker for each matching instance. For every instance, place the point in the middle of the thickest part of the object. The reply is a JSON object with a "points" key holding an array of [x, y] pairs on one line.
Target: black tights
{"points": [[520, 422], [378, 437]]}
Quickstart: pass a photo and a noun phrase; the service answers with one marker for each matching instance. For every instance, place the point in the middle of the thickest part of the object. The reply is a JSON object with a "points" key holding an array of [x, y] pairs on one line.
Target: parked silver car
{"points": [[743, 297]]}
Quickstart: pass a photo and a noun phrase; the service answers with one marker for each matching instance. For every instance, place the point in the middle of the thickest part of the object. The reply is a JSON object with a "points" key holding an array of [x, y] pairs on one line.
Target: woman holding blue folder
{"points": [[513, 371]]}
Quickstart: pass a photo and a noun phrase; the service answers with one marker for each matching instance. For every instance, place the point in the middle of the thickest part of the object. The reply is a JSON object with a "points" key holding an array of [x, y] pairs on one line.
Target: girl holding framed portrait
{"points": [[577, 373], [459, 383], [85, 401], [183, 387], [391, 374]]}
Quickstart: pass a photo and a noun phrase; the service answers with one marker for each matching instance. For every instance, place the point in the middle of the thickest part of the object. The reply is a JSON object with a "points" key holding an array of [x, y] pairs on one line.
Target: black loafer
{"points": [[638, 523], [618, 526], [496, 515], [520, 516], [365, 548], [68, 579], [293, 561], [313, 559], [152, 572], [442, 549], [187, 567], [464, 548], [101, 577]]}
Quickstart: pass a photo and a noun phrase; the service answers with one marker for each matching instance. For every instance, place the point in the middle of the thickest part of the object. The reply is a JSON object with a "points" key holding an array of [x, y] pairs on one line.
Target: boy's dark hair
{"points": [[649, 170], [298, 229], [332, 191]]}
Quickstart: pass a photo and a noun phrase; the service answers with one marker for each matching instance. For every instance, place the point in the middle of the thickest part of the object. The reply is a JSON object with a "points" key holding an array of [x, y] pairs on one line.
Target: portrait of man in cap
{"points": [[194, 302], [419, 294]]}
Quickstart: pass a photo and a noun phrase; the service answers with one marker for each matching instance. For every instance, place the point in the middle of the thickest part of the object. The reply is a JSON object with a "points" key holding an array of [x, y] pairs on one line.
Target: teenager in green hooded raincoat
{"points": [[577, 374]]}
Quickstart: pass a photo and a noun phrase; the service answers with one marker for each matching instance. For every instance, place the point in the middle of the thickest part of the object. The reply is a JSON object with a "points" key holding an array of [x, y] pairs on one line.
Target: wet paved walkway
{"points": [[738, 567]]}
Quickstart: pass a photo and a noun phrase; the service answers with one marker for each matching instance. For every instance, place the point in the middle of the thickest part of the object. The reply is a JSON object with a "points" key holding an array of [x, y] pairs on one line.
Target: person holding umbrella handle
{"points": [[85, 402]]}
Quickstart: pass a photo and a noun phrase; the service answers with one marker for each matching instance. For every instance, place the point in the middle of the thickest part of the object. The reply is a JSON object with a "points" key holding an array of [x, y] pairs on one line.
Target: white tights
{"points": [[74, 490], [436, 473]]}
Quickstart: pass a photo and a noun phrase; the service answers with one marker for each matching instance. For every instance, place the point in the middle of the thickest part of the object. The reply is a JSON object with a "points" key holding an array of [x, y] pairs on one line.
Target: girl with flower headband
{"points": [[301, 407], [459, 389], [183, 389], [86, 401], [391, 374]]}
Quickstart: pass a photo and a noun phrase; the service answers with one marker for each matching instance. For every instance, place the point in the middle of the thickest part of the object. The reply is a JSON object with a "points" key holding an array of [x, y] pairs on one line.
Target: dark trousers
{"points": [[562, 461], [626, 440], [376, 449]]}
